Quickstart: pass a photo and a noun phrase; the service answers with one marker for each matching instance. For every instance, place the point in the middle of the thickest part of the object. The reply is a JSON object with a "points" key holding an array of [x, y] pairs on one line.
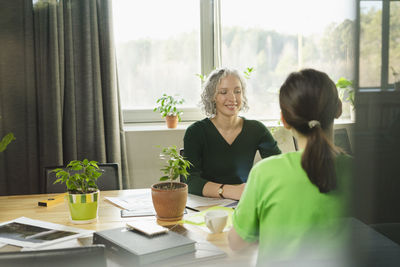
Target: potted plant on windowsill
{"points": [[396, 76], [167, 108], [169, 198], [346, 93], [80, 178]]}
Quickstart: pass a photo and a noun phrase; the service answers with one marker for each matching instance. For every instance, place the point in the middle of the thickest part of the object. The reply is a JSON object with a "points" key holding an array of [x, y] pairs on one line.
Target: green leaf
{"points": [[61, 173], [6, 141], [164, 178], [77, 167], [60, 180]]}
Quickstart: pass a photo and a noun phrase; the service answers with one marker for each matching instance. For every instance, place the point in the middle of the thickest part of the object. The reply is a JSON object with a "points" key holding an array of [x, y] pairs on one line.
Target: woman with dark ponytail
{"points": [[290, 209]]}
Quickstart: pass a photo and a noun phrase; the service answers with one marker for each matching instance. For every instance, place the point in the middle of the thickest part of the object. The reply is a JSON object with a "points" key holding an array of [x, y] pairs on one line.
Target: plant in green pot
{"points": [[168, 110], [80, 178], [169, 197]]}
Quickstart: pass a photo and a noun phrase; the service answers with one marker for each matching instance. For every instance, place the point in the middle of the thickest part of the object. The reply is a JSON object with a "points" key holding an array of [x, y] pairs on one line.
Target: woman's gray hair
{"points": [[210, 86]]}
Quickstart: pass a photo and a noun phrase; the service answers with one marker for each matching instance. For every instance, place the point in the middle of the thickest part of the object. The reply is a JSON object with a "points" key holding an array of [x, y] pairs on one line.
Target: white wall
{"points": [[144, 143]]}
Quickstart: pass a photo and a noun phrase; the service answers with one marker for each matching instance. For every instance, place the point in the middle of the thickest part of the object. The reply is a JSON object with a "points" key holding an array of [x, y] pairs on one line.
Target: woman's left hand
{"points": [[233, 191]]}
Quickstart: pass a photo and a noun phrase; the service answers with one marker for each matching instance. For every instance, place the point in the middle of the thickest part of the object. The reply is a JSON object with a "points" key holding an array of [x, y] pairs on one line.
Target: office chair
{"points": [[93, 255], [108, 181], [341, 140], [296, 146]]}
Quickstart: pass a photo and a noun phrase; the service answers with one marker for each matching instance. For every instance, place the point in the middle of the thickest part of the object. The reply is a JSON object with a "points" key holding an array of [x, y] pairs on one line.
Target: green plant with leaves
{"points": [[396, 76], [167, 106], [246, 73], [274, 130], [175, 167], [6, 141], [80, 177], [346, 92], [202, 77]]}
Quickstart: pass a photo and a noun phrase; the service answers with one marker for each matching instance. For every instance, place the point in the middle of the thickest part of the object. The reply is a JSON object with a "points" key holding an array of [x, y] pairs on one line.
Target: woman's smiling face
{"points": [[228, 96]]}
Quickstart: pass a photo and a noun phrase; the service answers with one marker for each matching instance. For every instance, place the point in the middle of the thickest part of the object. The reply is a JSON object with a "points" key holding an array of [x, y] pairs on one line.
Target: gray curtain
{"points": [[19, 163], [73, 88]]}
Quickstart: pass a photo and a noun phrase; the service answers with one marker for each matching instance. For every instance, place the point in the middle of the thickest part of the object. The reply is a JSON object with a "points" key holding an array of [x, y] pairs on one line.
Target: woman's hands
{"points": [[210, 189]]}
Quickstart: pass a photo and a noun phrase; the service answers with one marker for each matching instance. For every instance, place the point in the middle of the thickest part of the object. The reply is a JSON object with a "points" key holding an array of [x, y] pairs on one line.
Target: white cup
{"points": [[216, 220]]}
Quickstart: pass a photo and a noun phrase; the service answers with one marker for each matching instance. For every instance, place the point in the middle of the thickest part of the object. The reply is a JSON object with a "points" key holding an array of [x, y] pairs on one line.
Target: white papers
{"points": [[194, 201], [29, 233], [139, 201]]}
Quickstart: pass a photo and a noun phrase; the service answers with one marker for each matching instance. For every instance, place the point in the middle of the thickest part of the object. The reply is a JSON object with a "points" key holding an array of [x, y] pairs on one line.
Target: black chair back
{"points": [[341, 140], [109, 180]]}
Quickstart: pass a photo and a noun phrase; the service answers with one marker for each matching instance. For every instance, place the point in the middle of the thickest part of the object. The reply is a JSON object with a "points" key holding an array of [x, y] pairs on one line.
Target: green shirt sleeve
{"points": [[245, 217]]}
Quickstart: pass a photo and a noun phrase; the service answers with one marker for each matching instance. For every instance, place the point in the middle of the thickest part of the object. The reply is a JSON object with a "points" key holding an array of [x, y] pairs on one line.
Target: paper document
{"points": [[139, 202], [195, 201], [29, 233]]}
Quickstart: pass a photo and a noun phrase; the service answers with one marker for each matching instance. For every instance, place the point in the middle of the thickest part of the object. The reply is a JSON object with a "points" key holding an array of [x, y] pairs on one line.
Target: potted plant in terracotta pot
{"points": [[167, 108], [80, 178], [169, 197]]}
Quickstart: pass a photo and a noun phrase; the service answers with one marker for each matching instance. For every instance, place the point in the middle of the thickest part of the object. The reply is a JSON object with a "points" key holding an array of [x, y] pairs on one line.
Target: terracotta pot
{"points": [[172, 121], [169, 203]]}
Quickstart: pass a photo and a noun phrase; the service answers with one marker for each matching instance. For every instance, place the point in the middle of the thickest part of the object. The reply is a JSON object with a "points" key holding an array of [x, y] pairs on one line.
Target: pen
{"points": [[193, 209]]}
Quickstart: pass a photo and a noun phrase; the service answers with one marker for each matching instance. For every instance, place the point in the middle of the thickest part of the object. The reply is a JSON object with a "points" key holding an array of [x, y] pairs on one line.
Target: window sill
{"points": [[161, 126]]}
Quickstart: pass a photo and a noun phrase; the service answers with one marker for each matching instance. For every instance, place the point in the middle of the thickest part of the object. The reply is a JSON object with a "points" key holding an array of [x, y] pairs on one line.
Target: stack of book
{"points": [[138, 248]]}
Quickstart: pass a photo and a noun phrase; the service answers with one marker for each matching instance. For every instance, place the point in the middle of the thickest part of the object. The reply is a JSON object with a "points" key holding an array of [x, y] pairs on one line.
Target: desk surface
{"points": [[372, 247], [12, 207]]}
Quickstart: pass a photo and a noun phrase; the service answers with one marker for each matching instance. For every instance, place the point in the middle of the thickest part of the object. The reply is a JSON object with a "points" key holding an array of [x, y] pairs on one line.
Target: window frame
{"points": [[384, 84], [210, 58]]}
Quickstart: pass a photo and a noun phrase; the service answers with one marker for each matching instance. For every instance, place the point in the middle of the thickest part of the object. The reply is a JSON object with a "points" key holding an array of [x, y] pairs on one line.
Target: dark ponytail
{"points": [[318, 160], [309, 102]]}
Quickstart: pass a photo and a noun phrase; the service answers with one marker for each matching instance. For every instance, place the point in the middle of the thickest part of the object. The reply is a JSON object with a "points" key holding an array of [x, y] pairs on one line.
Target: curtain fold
{"points": [[77, 98], [82, 67], [19, 163]]}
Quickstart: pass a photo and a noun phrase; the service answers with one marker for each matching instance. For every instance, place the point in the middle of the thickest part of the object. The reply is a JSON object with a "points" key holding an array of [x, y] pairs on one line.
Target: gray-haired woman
{"points": [[222, 146]]}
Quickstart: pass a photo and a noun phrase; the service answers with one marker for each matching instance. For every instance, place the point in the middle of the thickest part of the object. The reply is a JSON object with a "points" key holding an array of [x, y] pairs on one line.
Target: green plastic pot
{"points": [[83, 208]]}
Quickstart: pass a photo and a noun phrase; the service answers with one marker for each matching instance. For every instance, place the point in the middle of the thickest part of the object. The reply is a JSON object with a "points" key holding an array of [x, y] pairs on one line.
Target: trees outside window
{"points": [[159, 43]]}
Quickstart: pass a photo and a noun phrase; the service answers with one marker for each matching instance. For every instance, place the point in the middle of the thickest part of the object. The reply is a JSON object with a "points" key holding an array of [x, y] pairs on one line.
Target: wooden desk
{"points": [[12, 207]]}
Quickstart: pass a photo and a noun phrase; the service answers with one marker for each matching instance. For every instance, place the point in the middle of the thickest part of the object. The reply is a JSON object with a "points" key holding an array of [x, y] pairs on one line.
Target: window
{"points": [[161, 47], [278, 37], [379, 44], [158, 51]]}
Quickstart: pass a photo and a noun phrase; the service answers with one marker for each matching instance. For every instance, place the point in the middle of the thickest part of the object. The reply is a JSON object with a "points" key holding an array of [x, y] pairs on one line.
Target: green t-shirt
{"points": [[215, 160], [284, 211]]}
